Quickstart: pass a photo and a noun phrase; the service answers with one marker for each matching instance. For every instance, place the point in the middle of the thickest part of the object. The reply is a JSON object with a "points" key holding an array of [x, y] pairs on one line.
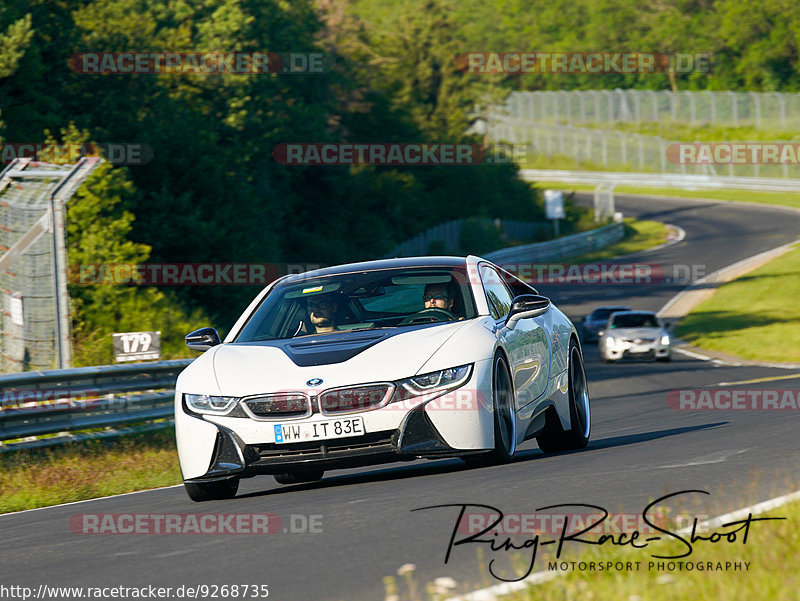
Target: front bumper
{"points": [[451, 424], [622, 349]]}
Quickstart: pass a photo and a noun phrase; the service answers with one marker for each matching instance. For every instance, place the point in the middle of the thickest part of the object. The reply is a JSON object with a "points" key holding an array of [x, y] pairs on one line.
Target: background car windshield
{"points": [[634, 320], [602, 314], [361, 301]]}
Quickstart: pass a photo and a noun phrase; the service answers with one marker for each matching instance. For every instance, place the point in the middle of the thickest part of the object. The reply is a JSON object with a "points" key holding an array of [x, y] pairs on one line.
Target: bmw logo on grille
{"points": [[314, 382]]}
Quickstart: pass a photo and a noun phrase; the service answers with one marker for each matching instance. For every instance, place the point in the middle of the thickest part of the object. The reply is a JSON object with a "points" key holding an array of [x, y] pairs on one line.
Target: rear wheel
{"points": [[212, 491], [554, 438], [297, 477]]}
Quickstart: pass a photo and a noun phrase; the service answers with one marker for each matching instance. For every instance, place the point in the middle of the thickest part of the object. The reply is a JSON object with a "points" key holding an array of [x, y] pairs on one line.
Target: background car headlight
{"points": [[204, 403], [665, 340], [445, 379], [610, 341]]}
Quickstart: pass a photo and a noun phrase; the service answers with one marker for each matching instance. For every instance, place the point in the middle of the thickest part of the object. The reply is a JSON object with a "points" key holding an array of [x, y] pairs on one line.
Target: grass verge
{"points": [[760, 306], [86, 470], [639, 236], [683, 132], [786, 199]]}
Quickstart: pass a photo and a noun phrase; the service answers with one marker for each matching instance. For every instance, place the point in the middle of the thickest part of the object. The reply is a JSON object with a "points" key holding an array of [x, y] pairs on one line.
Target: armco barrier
{"points": [[66, 400], [575, 244]]}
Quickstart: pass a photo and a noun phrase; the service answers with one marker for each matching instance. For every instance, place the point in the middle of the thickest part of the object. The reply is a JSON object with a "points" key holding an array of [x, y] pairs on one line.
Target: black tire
{"points": [[503, 406], [212, 491], [300, 476], [664, 359], [554, 439]]}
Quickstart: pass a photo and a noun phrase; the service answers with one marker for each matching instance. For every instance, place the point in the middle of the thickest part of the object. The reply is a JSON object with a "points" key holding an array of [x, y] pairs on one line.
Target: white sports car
{"points": [[387, 360]]}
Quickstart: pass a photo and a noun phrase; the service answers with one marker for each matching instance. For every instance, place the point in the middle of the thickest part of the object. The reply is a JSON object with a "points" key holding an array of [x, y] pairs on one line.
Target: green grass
{"points": [[682, 132], [639, 236], [86, 470], [756, 316], [786, 199]]}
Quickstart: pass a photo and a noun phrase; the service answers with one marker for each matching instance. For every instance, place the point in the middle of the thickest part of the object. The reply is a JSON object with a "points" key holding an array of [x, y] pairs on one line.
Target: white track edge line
{"points": [[124, 494]]}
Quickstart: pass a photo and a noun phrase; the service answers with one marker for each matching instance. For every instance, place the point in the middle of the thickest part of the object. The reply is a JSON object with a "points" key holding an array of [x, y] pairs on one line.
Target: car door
{"points": [[526, 343]]}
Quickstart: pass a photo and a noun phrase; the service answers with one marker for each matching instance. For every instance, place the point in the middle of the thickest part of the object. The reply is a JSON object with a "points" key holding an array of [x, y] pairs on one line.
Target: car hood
{"points": [[634, 332], [340, 359]]}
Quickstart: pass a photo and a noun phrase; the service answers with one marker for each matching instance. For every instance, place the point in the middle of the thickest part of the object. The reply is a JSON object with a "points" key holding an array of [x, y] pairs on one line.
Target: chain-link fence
{"points": [[769, 111], [35, 304], [612, 150]]}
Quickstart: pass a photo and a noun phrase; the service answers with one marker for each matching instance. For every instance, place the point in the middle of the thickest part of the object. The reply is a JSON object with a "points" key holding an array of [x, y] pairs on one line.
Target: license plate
{"points": [[307, 431]]}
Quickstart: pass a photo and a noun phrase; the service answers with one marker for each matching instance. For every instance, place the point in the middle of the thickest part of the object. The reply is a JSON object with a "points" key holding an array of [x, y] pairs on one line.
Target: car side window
{"points": [[497, 294], [517, 286]]}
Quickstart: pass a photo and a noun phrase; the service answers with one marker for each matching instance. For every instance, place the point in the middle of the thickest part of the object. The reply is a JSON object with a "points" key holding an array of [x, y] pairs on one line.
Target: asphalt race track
{"points": [[640, 450]]}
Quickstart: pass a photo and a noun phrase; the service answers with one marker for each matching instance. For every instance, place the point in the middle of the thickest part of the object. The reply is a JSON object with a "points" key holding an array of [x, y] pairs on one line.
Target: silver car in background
{"points": [[635, 335], [596, 321]]}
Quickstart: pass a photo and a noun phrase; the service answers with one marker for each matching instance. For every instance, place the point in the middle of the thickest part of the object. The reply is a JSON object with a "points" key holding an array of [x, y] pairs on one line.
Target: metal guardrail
{"points": [[682, 181], [68, 400], [575, 244]]}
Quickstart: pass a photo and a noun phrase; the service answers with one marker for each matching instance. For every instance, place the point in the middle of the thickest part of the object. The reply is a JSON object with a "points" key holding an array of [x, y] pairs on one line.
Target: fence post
{"points": [[757, 100], [713, 117]]}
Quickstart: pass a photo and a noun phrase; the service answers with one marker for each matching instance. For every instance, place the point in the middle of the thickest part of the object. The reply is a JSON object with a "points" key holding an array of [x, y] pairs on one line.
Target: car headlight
{"points": [[445, 379], [665, 340], [204, 403], [610, 341]]}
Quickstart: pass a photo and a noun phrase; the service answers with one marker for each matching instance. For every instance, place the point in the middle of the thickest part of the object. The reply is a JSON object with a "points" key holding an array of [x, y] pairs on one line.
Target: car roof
{"points": [[637, 312], [606, 307], [396, 263]]}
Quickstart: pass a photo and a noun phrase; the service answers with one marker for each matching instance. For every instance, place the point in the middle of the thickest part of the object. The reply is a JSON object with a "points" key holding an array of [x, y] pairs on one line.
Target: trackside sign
{"points": [[137, 346]]}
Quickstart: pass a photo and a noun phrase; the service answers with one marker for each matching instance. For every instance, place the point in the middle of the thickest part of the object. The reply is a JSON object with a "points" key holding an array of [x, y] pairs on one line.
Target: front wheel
{"points": [[212, 491], [553, 438], [505, 424]]}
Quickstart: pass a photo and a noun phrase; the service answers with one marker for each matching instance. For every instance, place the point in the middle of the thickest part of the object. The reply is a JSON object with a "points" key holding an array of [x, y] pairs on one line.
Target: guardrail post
{"points": [[735, 106]]}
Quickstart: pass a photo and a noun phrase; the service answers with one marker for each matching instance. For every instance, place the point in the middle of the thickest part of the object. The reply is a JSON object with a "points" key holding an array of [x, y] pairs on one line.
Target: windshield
{"points": [[366, 300], [634, 320], [602, 314]]}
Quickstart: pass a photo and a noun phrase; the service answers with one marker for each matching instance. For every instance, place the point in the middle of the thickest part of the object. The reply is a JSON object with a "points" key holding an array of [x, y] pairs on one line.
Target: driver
{"points": [[321, 312], [439, 296]]}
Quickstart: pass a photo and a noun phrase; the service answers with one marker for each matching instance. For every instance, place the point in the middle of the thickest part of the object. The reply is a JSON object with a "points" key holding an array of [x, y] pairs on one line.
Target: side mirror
{"points": [[202, 339], [526, 306], [667, 325]]}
